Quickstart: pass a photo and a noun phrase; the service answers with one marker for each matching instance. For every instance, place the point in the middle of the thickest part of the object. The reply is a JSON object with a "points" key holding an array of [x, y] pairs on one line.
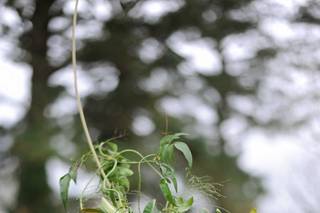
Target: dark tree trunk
{"points": [[32, 145]]}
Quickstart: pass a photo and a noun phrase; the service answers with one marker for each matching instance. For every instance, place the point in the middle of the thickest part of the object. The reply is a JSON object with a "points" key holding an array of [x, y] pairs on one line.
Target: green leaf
{"points": [[184, 206], [168, 172], [166, 191], [171, 138], [166, 153], [106, 206], [218, 210], [71, 175], [125, 171], [109, 146], [113, 146], [183, 147], [150, 207], [123, 181], [64, 189], [175, 184], [73, 171], [254, 210]]}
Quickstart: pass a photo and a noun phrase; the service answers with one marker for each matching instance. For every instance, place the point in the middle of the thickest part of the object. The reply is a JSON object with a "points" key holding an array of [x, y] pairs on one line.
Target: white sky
{"points": [[14, 91]]}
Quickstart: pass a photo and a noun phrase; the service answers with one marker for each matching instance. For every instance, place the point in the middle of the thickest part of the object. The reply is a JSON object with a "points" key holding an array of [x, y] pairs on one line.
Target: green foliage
{"points": [[166, 191], [117, 166], [218, 211], [254, 210], [64, 188], [66, 179], [167, 145], [186, 152], [150, 207]]}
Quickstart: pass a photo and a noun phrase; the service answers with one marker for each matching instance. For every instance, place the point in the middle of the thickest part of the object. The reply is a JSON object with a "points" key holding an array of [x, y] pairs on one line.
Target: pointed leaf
{"points": [[170, 138], [150, 207], [183, 147], [174, 182], [168, 172], [166, 191], [73, 171], [64, 189], [184, 206]]}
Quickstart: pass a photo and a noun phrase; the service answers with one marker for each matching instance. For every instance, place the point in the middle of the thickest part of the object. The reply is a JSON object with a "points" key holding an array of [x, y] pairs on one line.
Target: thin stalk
{"points": [[83, 191], [140, 180], [141, 156], [113, 168], [76, 89], [167, 125]]}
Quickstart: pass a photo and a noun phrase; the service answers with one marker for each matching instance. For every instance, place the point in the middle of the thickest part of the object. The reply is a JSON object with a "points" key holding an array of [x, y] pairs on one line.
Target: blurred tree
{"points": [[34, 131], [119, 47]]}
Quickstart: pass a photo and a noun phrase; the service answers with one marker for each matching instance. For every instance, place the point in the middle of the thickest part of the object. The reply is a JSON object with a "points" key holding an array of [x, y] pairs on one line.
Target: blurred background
{"points": [[241, 77]]}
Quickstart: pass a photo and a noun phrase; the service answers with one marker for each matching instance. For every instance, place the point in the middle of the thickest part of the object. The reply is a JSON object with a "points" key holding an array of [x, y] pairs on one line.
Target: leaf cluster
{"points": [[117, 165]]}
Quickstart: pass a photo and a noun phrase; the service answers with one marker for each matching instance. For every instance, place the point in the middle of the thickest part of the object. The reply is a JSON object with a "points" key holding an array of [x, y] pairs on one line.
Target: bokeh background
{"points": [[241, 77]]}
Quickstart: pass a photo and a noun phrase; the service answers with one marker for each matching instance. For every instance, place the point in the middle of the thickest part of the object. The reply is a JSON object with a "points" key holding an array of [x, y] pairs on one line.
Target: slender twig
{"points": [[167, 124], [76, 89]]}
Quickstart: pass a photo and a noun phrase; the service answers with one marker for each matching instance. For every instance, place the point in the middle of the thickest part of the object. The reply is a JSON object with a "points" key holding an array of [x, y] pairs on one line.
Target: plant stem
{"points": [[79, 105]]}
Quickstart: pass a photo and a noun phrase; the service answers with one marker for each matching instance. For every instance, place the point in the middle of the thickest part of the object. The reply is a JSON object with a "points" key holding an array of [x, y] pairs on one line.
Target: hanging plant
{"points": [[114, 168]]}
